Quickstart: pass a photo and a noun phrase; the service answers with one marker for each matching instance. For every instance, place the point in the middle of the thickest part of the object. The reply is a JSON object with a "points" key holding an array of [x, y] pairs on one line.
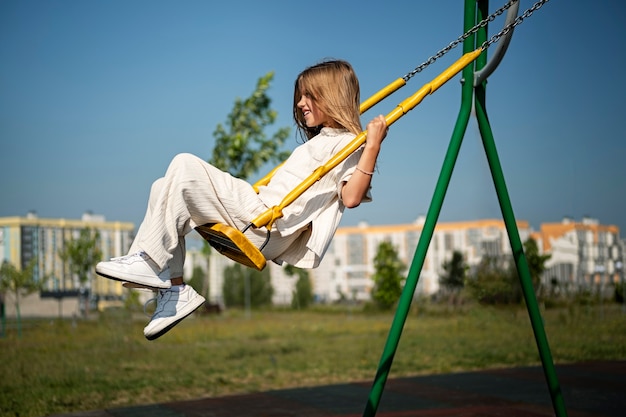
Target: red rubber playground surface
{"points": [[589, 389]]}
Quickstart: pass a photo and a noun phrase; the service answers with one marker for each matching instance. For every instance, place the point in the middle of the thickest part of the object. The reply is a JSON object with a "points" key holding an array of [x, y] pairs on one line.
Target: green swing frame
{"points": [[234, 244]]}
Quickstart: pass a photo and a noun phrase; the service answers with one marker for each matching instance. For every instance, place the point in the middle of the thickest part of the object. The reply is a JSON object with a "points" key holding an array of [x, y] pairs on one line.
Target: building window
{"points": [[559, 273], [491, 247], [355, 275], [356, 250], [412, 239]]}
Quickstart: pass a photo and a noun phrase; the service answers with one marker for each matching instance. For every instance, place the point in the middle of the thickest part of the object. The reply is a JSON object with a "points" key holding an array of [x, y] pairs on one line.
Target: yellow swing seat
{"points": [[233, 244]]}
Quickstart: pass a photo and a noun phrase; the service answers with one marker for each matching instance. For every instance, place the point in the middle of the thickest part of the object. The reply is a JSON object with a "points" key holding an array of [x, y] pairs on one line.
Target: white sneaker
{"points": [[172, 307], [137, 268]]}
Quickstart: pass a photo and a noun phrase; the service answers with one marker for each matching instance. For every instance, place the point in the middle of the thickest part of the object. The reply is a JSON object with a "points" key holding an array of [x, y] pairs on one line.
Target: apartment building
{"points": [[584, 255], [23, 239], [346, 270]]}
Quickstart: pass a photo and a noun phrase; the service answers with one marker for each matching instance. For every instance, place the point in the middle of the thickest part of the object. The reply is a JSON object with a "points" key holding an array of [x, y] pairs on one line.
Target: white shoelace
{"points": [[127, 258], [159, 306]]}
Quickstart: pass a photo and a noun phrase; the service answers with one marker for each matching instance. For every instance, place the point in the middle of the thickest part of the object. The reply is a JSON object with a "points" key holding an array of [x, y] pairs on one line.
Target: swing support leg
{"points": [[468, 92], [517, 248]]}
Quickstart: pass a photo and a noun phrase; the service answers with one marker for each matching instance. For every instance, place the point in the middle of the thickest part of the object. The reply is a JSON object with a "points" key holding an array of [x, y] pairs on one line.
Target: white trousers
{"points": [[192, 193]]}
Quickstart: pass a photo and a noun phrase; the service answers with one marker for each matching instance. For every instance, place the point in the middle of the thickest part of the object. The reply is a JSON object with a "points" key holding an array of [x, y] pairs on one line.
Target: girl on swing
{"points": [[193, 192]]}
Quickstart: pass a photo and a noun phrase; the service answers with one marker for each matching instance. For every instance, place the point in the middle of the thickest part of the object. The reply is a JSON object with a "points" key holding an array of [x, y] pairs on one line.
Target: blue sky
{"points": [[96, 98]]}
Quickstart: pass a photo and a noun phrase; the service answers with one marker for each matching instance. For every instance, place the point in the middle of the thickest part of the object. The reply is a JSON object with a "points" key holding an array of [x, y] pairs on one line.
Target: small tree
{"points": [[453, 280], [246, 287], [536, 262], [303, 294], [82, 255], [242, 147], [20, 283], [388, 276], [204, 286], [198, 280], [495, 281]]}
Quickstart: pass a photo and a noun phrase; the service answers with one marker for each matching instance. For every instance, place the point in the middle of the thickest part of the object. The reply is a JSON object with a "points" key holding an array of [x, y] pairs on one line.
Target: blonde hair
{"points": [[334, 87]]}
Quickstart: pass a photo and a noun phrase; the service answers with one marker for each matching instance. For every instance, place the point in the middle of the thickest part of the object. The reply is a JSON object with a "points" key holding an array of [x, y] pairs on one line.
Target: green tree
{"points": [[303, 295], [536, 261], [81, 256], [242, 147], [198, 280], [204, 287], [388, 276], [246, 287], [20, 283], [453, 280], [132, 302], [495, 281], [618, 293]]}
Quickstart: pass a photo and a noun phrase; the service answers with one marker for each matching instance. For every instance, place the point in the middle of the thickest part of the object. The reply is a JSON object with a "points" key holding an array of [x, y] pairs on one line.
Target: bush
{"points": [[495, 282]]}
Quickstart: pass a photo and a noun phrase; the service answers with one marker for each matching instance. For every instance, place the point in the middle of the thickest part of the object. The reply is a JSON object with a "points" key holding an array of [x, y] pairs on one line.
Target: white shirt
{"points": [[320, 206]]}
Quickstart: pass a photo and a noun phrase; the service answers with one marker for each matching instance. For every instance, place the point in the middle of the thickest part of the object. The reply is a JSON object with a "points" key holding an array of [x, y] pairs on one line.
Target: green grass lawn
{"points": [[62, 367]]}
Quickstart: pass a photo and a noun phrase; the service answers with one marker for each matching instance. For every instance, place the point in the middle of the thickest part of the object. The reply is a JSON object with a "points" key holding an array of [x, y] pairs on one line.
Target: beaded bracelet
{"points": [[365, 172]]}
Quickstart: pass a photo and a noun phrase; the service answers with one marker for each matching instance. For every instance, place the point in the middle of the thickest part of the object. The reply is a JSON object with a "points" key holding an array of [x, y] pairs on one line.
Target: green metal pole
{"points": [[434, 210], [513, 232], [518, 254]]}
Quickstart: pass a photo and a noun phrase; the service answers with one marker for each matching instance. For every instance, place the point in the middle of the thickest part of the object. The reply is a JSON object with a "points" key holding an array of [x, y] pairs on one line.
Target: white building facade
{"points": [[347, 268], [584, 255]]}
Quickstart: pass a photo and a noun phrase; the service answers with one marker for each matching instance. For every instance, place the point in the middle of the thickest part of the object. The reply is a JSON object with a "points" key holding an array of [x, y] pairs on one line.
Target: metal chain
{"points": [[460, 39], [475, 29], [510, 26]]}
